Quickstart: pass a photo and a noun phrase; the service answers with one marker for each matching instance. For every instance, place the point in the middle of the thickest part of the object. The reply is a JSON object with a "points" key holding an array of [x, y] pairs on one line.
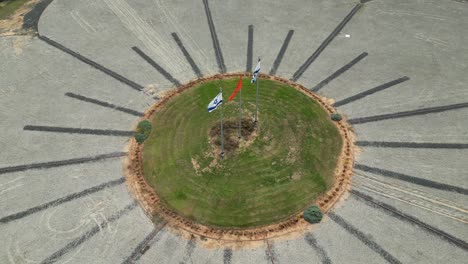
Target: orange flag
{"points": [[238, 88]]}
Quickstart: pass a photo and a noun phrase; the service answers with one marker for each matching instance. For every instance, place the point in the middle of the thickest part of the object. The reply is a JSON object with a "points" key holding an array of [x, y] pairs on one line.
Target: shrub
{"points": [[336, 117], [139, 137], [313, 214], [143, 131], [144, 127]]}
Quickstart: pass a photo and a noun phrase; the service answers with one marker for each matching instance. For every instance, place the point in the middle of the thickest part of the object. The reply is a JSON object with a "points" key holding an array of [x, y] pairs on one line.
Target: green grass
{"points": [[9, 7], [253, 187]]}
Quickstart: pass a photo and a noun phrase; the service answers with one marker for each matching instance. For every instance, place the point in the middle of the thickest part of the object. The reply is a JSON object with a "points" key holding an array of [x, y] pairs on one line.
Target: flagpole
{"points": [[256, 99], [222, 132], [239, 135], [256, 104]]}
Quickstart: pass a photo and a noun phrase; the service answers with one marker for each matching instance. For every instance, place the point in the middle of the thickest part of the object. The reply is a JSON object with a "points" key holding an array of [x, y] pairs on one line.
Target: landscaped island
{"points": [[274, 171]]}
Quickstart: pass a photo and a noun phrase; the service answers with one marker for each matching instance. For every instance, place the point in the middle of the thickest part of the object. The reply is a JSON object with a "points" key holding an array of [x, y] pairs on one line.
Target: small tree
{"points": [[313, 214], [143, 131]]}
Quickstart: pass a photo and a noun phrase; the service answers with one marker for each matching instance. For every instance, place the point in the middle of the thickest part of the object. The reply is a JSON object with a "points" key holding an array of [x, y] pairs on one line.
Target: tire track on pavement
{"points": [[413, 197]]}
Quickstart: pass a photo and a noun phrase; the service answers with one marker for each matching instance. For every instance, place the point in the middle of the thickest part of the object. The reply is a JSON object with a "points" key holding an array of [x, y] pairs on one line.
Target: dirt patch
{"points": [[24, 20], [296, 176], [232, 137], [195, 165], [291, 227], [13, 24]]}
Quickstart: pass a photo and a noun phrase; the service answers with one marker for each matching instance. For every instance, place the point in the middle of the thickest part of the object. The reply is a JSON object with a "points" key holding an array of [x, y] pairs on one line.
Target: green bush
{"points": [[313, 214], [336, 117], [143, 131], [139, 137], [144, 127]]}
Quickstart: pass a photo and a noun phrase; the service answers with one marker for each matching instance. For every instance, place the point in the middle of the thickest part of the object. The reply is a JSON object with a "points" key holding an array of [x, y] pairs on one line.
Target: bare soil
{"points": [[231, 133], [13, 25]]}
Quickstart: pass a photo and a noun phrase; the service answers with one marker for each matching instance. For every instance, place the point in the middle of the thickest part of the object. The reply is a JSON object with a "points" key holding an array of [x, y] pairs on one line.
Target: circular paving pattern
{"points": [[397, 69]]}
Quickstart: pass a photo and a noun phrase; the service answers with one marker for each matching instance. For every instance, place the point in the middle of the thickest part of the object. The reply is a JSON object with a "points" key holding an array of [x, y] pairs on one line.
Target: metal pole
{"points": [[256, 98], [222, 132], [239, 135]]}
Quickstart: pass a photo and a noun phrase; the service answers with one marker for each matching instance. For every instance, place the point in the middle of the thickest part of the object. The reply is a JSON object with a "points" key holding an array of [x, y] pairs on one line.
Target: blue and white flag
{"points": [[215, 102], [255, 73]]}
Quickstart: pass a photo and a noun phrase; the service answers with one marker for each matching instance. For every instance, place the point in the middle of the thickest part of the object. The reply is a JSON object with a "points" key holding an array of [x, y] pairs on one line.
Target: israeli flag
{"points": [[255, 73], [215, 102]]}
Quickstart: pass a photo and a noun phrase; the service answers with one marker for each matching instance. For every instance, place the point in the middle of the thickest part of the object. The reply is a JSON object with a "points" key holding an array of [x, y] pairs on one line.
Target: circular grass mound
{"points": [[274, 172]]}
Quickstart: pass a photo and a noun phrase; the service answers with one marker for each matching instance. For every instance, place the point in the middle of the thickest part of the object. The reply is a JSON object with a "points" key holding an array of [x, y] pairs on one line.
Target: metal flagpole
{"points": [[256, 98], [256, 103], [222, 132], [240, 115]]}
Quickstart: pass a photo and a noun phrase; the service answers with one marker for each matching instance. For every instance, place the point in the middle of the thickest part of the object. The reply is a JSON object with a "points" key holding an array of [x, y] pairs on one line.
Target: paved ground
{"points": [[69, 98]]}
